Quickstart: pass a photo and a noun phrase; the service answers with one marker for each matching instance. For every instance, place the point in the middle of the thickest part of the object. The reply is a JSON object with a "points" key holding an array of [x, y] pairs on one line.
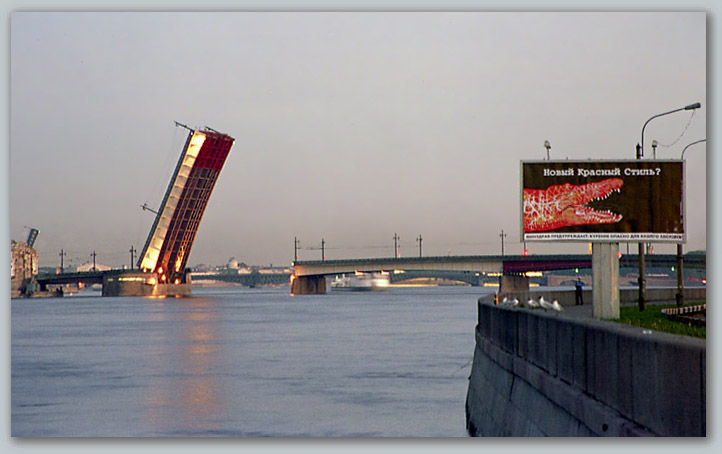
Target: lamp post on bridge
{"points": [[132, 255], [502, 235], [680, 251], [93, 255], [548, 146], [640, 154], [62, 256], [418, 240], [396, 247]]}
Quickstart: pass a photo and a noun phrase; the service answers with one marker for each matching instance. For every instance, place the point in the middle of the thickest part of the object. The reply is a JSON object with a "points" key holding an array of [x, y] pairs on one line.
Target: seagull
{"points": [[514, 302], [545, 304], [505, 301], [556, 306], [532, 304]]}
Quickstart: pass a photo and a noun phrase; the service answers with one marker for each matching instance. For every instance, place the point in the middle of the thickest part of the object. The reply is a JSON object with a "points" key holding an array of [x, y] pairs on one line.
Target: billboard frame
{"points": [[604, 237]]}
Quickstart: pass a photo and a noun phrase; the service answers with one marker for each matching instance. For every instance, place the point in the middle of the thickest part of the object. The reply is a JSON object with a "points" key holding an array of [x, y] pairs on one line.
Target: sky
{"points": [[350, 127]]}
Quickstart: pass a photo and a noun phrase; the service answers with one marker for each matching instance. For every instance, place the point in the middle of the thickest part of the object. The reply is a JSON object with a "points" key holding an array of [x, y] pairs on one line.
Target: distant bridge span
{"points": [[309, 275], [476, 263]]}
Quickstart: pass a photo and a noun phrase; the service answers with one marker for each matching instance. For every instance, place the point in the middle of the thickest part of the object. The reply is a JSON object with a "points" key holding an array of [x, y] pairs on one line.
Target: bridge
{"points": [[473, 270], [309, 276]]}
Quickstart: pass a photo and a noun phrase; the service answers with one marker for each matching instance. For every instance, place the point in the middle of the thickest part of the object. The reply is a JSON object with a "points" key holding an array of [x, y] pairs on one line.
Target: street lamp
{"points": [[640, 153], [689, 107], [548, 146], [654, 149], [680, 253], [693, 143]]}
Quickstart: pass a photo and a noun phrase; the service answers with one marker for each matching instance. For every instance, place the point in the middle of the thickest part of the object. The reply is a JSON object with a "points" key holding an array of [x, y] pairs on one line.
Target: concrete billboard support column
{"points": [[605, 280], [308, 285], [514, 285]]}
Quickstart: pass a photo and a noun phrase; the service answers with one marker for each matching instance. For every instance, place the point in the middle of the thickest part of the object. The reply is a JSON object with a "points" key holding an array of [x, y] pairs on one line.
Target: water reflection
{"points": [[183, 391]]}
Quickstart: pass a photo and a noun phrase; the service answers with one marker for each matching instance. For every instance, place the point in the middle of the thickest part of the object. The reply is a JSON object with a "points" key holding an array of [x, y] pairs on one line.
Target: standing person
{"points": [[578, 292]]}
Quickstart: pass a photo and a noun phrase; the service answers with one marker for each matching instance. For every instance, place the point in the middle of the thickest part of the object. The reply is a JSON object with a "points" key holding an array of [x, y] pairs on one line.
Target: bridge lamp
{"points": [[654, 149], [548, 146]]}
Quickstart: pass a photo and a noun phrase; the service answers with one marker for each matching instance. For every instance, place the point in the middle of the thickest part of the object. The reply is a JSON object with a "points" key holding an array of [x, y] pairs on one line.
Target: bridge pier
{"points": [[308, 285], [138, 283]]}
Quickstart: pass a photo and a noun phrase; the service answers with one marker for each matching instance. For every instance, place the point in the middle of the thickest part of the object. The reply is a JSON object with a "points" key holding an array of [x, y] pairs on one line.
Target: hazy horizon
{"points": [[350, 126]]}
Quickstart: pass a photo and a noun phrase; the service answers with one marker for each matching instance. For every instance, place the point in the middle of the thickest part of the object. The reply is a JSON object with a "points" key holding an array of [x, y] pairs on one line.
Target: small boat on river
{"points": [[361, 282]]}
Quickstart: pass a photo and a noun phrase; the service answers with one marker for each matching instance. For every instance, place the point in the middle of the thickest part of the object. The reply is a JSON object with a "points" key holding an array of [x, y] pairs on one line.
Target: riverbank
{"points": [[565, 374]]}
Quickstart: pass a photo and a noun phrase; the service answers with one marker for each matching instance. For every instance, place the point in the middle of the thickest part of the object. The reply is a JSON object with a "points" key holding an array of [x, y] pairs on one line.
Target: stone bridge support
{"points": [[308, 285]]}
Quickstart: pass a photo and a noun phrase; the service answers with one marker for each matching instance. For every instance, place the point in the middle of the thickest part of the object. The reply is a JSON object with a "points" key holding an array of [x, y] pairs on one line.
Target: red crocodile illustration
{"points": [[564, 205]]}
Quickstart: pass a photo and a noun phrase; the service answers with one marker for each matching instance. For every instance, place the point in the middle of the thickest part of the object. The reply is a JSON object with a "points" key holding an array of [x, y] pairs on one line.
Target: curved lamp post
{"points": [[680, 253], [689, 107], [693, 143], [640, 154]]}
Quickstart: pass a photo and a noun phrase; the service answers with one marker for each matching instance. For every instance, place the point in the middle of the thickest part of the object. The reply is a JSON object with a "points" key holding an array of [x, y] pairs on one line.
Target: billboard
{"points": [[603, 201]]}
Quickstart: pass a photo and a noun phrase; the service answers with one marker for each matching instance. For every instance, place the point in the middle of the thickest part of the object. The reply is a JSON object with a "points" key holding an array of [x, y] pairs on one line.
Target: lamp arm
{"points": [[689, 107], [652, 118], [693, 143]]}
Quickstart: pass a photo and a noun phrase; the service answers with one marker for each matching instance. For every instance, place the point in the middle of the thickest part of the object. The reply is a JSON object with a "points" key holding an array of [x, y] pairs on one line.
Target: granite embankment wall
{"points": [[549, 374]]}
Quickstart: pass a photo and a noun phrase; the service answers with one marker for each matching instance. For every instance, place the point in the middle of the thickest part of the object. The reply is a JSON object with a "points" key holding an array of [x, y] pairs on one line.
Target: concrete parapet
{"points": [[547, 374]]}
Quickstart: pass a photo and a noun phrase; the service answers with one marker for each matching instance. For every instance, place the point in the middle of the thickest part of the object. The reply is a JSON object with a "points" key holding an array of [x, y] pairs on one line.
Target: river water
{"points": [[237, 362]]}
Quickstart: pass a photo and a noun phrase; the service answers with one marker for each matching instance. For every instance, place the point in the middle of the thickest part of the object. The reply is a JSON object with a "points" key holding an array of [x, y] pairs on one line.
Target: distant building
{"points": [[89, 267], [23, 263]]}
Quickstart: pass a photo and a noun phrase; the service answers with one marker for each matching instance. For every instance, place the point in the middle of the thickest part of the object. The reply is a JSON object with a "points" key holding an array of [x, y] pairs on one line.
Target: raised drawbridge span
{"points": [[162, 262]]}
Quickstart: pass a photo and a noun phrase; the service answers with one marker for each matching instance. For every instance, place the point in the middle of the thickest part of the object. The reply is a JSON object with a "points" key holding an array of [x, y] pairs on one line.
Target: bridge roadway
{"points": [[485, 263], [86, 277], [308, 274]]}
